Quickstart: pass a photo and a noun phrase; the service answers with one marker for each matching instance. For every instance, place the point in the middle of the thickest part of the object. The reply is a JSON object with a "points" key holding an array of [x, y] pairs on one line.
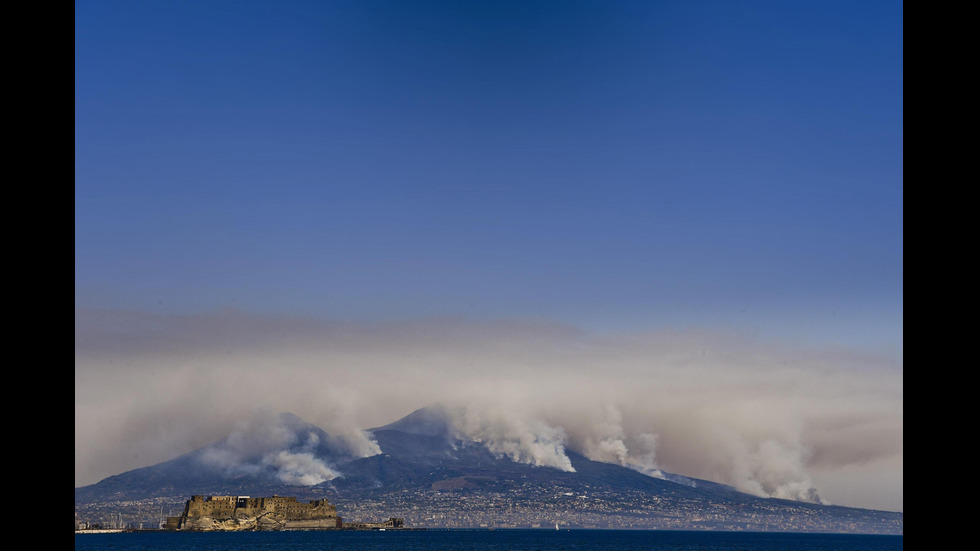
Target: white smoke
{"points": [[774, 469], [262, 444], [525, 438], [603, 438], [530, 441], [300, 469], [765, 418], [643, 457]]}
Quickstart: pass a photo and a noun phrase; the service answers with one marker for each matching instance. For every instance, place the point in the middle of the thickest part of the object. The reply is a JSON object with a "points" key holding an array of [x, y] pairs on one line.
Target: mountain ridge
{"points": [[427, 473]]}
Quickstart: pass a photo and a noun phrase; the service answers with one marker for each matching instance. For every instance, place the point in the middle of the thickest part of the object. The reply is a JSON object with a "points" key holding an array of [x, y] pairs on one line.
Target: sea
{"points": [[485, 540]]}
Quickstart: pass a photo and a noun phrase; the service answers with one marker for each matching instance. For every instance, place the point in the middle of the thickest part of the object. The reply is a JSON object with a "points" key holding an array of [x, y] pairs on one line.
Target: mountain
{"points": [[244, 462], [431, 476]]}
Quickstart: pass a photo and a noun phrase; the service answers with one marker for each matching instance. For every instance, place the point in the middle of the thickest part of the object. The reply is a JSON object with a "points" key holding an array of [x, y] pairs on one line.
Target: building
{"points": [[235, 513], [391, 523]]}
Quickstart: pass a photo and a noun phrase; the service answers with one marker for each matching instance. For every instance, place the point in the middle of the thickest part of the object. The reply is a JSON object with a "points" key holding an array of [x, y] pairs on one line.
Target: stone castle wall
{"points": [[262, 513]]}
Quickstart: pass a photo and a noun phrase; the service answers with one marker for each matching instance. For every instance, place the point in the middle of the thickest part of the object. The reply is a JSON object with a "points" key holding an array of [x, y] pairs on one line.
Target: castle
{"points": [[234, 513]]}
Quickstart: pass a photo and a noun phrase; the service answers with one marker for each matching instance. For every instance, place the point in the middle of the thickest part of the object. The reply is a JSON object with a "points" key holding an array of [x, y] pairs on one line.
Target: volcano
{"points": [[429, 474]]}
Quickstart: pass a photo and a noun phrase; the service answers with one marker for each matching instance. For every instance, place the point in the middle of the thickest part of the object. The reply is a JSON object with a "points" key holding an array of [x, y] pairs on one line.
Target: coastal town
{"points": [[532, 506], [537, 506]]}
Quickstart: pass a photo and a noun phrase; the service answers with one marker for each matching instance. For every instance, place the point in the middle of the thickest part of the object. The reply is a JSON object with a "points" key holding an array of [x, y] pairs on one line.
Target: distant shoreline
{"points": [[343, 529]]}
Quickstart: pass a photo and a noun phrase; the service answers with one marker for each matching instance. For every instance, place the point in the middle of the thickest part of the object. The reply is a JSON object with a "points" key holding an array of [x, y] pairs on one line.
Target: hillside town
{"points": [[531, 505]]}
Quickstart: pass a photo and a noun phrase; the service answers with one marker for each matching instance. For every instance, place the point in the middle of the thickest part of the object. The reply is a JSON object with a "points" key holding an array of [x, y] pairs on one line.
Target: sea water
{"points": [[485, 540]]}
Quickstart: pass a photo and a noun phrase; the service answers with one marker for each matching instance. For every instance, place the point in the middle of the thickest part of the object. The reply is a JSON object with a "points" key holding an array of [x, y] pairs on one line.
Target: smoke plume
{"points": [[767, 418], [264, 444]]}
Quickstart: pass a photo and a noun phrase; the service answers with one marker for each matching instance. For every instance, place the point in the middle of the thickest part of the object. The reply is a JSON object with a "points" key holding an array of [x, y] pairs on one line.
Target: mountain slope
{"points": [[280, 452], [430, 476]]}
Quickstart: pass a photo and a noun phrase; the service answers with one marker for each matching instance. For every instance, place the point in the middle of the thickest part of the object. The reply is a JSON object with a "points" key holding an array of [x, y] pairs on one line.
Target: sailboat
{"points": [[556, 525]]}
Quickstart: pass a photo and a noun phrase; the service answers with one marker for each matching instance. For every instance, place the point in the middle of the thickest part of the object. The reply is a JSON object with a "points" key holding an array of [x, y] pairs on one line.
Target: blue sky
{"points": [[620, 167], [607, 164]]}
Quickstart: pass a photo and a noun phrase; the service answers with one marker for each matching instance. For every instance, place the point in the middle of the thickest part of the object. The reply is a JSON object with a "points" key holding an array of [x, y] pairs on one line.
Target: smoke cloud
{"points": [[266, 443], [522, 439], [767, 418]]}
